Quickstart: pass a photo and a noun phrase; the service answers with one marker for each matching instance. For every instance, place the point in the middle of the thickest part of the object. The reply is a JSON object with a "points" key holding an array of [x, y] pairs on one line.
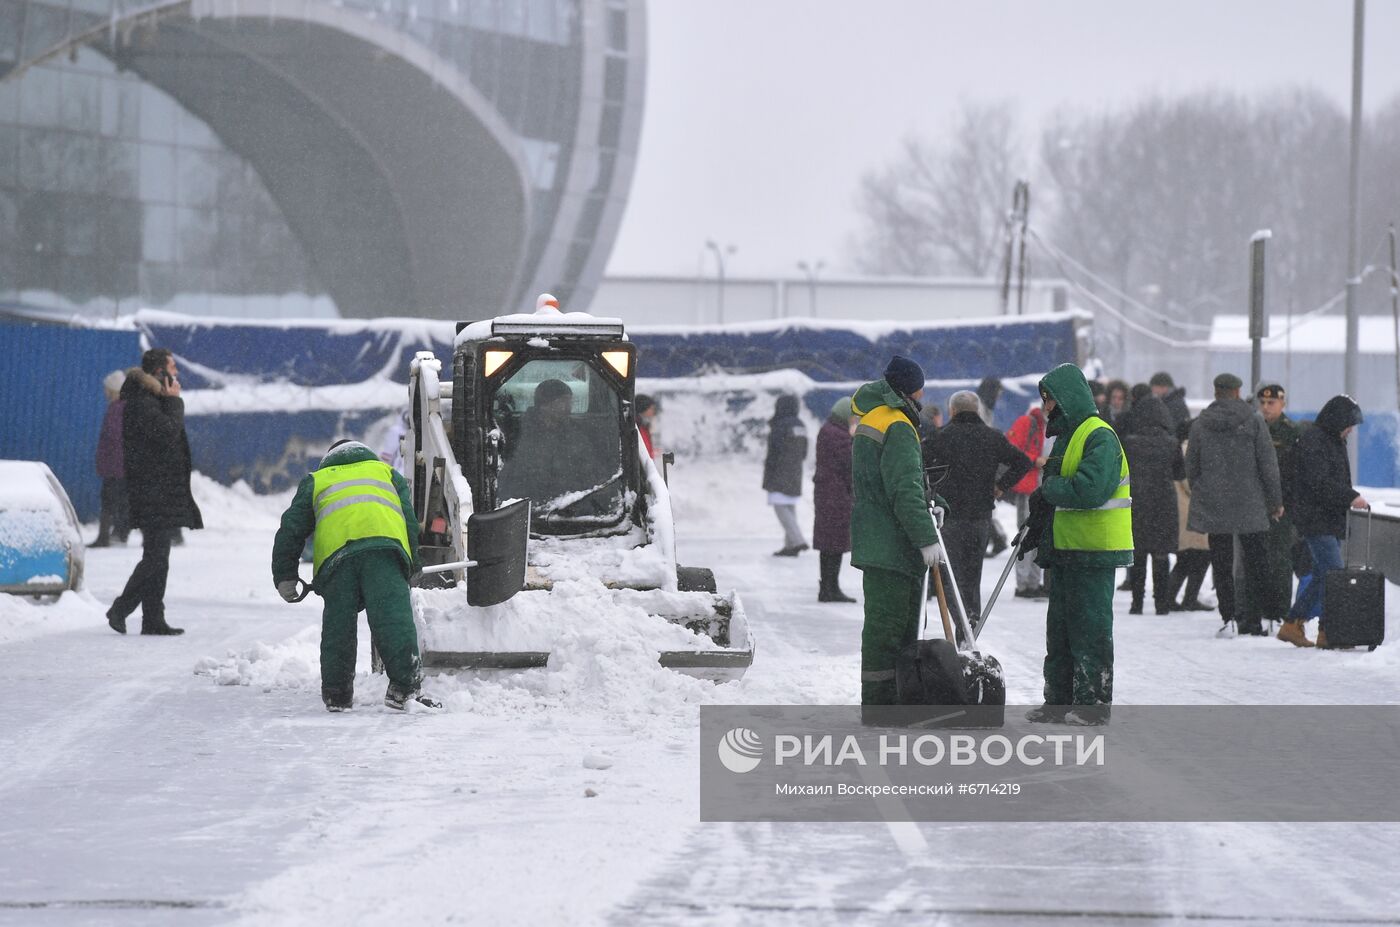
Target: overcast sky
{"points": [[761, 115]]}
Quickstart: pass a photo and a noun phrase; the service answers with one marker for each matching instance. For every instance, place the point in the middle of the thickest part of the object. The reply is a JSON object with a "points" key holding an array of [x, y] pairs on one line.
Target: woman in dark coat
{"points": [[1154, 463], [831, 533], [1322, 495], [782, 471]]}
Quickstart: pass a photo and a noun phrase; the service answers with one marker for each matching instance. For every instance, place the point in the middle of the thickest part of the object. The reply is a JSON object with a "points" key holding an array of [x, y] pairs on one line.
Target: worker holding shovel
{"points": [[360, 513], [1081, 522]]}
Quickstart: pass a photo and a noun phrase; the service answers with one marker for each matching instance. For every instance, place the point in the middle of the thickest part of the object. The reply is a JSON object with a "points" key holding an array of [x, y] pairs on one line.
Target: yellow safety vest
{"points": [[1108, 527], [355, 501]]}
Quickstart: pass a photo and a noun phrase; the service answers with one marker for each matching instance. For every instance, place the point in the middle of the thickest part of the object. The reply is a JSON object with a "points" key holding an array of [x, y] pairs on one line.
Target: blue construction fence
{"points": [[53, 406]]}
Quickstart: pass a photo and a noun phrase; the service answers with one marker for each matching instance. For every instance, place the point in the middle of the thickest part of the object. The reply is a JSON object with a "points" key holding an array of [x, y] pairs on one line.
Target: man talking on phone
{"points": [[157, 484]]}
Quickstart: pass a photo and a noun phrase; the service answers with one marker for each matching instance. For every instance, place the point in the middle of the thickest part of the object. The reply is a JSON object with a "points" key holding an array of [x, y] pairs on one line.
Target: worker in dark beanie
{"points": [[893, 541]]}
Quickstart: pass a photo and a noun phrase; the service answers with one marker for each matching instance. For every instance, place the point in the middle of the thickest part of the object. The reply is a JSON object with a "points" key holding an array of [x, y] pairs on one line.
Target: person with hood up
{"points": [[893, 540], [1235, 493], [1027, 435], [1082, 530], [1155, 460], [831, 495], [782, 471], [359, 512], [1323, 495], [156, 458]]}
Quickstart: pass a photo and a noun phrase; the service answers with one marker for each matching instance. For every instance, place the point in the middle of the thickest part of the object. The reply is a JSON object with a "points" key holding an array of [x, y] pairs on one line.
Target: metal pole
{"points": [[1258, 317], [719, 263], [1358, 32]]}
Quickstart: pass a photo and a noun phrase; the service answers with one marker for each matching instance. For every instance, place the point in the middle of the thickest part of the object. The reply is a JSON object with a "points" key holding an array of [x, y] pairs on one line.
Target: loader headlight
{"points": [[618, 360], [494, 360]]}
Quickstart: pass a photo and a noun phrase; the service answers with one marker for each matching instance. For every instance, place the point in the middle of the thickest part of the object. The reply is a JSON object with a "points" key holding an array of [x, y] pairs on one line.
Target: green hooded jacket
{"points": [[1097, 478], [299, 523], [890, 519]]}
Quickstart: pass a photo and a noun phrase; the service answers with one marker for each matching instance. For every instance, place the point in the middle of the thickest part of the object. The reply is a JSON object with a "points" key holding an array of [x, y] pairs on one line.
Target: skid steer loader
{"points": [[540, 409]]}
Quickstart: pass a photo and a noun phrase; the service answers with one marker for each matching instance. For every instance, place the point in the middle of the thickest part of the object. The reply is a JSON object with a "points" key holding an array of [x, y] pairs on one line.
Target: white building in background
{"points": [[703, 301], [1308, 358]]}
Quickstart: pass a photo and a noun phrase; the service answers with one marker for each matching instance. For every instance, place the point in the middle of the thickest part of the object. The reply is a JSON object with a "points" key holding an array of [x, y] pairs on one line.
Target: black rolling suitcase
{"points": [[1353, 602]]}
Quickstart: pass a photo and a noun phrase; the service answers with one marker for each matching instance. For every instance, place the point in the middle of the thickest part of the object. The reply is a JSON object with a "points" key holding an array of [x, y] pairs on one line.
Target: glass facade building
{"points": [[440, 158]]}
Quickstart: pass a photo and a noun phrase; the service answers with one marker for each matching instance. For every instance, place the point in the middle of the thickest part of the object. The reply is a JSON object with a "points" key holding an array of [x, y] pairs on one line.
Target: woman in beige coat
{"points": [[1192, 557]]}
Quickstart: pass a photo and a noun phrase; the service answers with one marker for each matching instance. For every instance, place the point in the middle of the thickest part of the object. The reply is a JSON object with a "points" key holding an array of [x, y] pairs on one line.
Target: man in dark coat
{"points": [[1165, 389], [893, 541], [831, 495], [1271, 400], [972, 452], [1155, 462], [782, 471], [156, 454], [1323, 493], [1235, 493]]}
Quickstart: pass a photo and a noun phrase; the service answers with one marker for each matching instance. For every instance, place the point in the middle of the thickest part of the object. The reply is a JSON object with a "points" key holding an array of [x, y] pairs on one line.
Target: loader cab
{"points": [[543, 410]]}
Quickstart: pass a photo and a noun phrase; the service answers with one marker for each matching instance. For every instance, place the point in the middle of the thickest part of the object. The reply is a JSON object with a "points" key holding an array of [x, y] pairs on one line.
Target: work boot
{"points": [[1047, 714], [1294, 633], [161, 629], [397, 698], [337, 699], [1087, 715], [117, 622]]}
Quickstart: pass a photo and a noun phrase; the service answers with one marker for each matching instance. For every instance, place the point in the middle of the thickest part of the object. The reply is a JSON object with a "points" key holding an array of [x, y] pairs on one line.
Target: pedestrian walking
{"points": [[1323, 493], [893, 541], [156, 461], [832, 498], [1154, 458], [359, 513], [782, 471], [1027, 435], [113, 517], [972, 452], [1082, 530], [989, 392], [1235, 493]]}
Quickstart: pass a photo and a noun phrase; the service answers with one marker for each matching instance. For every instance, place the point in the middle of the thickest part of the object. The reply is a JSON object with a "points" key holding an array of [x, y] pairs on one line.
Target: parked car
{"points": [[41, 547]]}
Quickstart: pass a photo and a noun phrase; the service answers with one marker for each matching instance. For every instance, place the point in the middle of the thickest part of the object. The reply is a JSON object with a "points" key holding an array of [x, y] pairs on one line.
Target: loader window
{"points": [[563, 444]]}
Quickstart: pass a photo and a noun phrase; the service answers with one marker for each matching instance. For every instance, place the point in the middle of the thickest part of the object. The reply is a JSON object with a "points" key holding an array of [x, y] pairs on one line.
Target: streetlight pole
{"points": [[1358, 43], [810, 271], [719, 263]]}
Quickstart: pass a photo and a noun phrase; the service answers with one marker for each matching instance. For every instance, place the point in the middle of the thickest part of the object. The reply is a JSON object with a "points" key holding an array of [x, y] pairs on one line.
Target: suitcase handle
{"points": [[1366, 564]]}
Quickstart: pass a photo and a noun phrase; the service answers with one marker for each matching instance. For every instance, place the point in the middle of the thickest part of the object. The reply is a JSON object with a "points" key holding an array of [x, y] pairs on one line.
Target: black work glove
{"points": [[1036, 523]]}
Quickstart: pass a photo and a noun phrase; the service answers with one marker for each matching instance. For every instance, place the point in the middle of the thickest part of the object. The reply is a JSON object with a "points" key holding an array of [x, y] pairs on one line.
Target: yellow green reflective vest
{"points": [[1108, 527], [354, 501]]}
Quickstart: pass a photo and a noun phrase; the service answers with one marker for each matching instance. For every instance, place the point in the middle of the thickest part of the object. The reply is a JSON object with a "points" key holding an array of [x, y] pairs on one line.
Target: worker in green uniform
{"points": [[1081, 525], [893, 541], [365, 548]]}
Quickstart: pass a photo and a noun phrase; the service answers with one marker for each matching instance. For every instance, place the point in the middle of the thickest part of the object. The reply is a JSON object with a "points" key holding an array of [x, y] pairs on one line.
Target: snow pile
{"points": [[292, 664], [23, 617], [237, 506], [615, 561]]}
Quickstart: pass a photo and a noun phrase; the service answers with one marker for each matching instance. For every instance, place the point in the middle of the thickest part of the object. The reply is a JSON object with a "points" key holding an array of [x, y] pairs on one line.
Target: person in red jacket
{"points": [[647, 408], [1027, 434]]}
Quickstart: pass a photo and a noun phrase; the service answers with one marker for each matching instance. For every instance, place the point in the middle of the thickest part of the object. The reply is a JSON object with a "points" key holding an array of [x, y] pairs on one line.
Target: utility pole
{"points": [[1258, 317], [810, 271], [719, 263], [1358, 44], [1015, 238]]}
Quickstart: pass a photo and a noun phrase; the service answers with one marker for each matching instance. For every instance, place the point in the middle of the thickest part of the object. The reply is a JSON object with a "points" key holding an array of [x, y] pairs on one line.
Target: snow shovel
{"points": [[1006, 571], [933, 672]]}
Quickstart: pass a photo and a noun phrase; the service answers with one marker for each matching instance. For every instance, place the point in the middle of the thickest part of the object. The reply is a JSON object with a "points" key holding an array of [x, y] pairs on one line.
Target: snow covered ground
{"points": [[198, 780]]}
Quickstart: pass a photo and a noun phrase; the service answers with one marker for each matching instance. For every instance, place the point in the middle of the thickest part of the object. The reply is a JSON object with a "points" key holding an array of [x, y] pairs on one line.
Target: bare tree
{"points": [[939, 208]]}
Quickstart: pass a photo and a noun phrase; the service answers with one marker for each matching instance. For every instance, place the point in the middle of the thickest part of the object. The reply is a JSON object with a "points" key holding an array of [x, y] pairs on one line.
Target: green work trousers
{"points": [[1079, 636], [893, 604], [371, 580]]}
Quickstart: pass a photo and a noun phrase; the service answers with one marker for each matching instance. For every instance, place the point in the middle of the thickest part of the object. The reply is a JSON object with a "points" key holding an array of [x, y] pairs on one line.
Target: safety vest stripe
{"points": [[870, 432], [339, 504], [346, 484], [1125, 503]]}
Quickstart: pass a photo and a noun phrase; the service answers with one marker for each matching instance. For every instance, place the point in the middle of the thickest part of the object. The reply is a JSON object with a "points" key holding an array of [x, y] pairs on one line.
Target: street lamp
{"points": [[810, 271], [719, 263]]}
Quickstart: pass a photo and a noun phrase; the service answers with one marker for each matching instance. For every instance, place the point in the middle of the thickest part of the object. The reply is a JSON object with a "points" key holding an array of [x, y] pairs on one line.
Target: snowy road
{"points": [[137, 792]]}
